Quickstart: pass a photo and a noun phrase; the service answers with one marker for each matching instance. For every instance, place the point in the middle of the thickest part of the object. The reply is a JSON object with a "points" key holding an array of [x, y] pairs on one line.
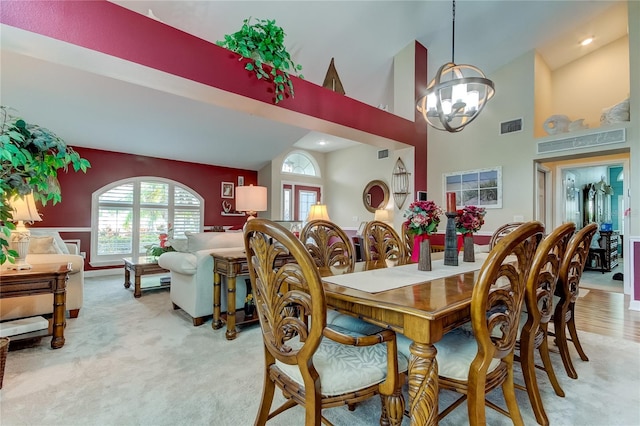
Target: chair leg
{"points": [[560, 327], [529, 372], [268, 391], [571, 325], [548, 367], [509, 393]]}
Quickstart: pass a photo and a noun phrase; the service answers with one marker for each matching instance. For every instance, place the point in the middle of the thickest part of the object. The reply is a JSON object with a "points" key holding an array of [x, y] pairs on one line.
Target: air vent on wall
{"points": [[383, 153], [511, 126], [583, 141]]}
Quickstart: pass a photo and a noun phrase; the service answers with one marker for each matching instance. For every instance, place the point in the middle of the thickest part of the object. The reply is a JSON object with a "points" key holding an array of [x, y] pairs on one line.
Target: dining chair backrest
{"points": [[314, 365], [568, 290], [382, 242], [539, 299], [328, 245], [408, 240], [498, 294], [503, 230]]}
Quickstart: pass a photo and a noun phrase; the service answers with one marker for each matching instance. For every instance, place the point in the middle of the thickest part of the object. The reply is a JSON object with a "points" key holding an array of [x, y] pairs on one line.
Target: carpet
{"points": [[130, 361]]}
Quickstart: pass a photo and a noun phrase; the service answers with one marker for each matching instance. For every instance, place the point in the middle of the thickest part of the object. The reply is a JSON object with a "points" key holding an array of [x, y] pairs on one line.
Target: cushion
{"points": [[344, 368], [182, 263], [197, 241], [43, 245], [56, 236], [347, 322], [456, 351], [179, 244]]}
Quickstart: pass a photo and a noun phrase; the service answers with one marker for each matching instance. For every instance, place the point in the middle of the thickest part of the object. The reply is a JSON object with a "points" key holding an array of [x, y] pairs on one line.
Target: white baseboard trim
{"points": [[634, 305], [104, 272]]}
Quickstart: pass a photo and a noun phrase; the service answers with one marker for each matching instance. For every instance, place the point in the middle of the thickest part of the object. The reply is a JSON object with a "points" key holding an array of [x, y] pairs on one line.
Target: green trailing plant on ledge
{"points": [[31, 157], [263, 43]]}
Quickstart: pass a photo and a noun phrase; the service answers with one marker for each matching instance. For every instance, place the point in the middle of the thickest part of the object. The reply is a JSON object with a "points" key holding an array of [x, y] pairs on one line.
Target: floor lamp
{"points": [[23, 210]]}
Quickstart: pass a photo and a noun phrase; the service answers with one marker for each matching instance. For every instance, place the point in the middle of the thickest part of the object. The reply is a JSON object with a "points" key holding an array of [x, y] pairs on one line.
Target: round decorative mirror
{"points": [[375, 195]]}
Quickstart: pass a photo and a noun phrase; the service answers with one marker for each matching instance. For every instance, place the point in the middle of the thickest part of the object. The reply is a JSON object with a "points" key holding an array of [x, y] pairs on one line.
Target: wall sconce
{"points": [[24, 210], [318, 212], [251, 199]]}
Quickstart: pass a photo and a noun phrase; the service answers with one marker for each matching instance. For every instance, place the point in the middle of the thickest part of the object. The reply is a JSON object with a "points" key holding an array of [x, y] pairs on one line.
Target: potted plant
{"points": [[31, 157], [263, 44]]}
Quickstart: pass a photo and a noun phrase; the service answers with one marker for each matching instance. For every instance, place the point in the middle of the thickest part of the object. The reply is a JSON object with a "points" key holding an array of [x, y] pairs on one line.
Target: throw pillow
{"points": [[179, 244], [43, 245], [211, 240], [56, 236]]}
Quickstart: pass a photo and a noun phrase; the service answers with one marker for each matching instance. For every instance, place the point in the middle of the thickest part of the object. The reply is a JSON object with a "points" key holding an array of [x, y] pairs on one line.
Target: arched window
{"points": [[130, 214], [299, 163]]}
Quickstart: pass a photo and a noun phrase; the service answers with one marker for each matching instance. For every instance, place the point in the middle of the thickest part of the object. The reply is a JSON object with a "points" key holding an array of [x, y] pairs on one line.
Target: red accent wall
{"points": [[107, 167]]}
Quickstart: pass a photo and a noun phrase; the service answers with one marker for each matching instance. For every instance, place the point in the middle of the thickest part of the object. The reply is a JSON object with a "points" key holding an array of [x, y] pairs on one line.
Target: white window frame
{"points": [[312, 160], [110, 260]]}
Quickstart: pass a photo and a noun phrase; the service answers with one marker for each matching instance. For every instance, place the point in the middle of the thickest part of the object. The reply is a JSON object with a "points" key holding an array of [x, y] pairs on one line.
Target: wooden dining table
{"points": [[423, 312]]}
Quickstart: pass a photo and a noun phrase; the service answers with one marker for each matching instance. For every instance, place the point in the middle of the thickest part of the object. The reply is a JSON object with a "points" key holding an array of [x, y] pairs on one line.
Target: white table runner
{"points": [[384, 279]]}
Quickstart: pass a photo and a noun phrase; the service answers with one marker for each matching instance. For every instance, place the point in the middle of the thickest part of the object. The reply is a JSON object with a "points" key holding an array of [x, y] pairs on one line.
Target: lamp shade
{"points": [[251, 198], [382, 215], [318, 212], [24, 208]]}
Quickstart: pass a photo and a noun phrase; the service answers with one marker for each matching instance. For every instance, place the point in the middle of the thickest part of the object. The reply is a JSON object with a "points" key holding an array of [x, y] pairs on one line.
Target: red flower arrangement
{"points": [[423, 217], [469, 219]]}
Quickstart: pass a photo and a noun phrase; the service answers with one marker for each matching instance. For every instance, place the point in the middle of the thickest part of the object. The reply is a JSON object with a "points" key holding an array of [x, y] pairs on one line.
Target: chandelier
{"points": [[456, 95]]}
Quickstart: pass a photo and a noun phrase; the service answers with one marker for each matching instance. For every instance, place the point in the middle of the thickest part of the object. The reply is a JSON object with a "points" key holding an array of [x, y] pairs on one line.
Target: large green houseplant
{"points": [[263, 43], [31, 157]]}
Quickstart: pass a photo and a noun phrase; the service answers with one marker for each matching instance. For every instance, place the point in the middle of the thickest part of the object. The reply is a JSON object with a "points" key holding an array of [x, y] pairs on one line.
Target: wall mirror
{"points": [[375, 195]]}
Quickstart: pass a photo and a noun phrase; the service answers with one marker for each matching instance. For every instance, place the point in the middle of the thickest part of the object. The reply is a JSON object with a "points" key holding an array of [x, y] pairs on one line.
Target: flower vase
{"points": [[424, 260], [417, 240], [249, 310], [468, 255]]}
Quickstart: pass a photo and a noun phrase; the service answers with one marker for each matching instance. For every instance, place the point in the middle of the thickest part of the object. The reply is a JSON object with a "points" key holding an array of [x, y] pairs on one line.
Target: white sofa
{"points": [[48, 247], [192, 273]]}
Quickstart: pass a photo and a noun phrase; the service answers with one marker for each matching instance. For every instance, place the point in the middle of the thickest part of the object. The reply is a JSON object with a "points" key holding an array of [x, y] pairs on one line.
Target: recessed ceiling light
{"points": [[586, 41]]}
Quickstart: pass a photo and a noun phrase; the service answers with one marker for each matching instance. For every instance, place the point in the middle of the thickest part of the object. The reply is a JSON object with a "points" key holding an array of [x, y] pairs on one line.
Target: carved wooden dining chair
{"points": [[382, 243], [328, 245], [567, 292], [475, 362], [314, 366], [539, 311], [503, 230]]}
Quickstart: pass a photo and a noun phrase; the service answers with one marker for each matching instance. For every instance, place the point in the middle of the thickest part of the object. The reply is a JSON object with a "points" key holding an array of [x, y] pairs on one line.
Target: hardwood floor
{"points": [[607, 313]]}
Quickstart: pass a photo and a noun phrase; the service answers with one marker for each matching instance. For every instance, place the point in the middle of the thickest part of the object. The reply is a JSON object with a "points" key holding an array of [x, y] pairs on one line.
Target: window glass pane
{"points": [[307, 199], [114, 231], [300, 164], [286, 204], [185, 220], [154, 193], [120, 194], [470, 181], [153, 222]]}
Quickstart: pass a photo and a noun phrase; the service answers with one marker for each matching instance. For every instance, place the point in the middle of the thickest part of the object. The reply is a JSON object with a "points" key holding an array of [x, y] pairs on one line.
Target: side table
{"points": [[140, 266], [41, 279]]}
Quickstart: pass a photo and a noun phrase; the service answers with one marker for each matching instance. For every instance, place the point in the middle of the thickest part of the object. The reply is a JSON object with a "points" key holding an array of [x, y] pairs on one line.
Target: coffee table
{"points": [[140, 266]]}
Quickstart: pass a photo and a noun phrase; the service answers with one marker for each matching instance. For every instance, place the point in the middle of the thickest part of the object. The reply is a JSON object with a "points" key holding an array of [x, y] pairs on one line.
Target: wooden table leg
{"points": [[59, 308], [127, 277], [231, 308], [217, 321], [423, 385], [137, 292]]}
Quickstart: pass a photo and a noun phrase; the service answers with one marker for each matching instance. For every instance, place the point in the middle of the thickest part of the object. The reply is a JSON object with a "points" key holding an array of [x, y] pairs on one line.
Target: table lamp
{"points": [[382, 215], [23, 210], [251, 199], [318, 212]]}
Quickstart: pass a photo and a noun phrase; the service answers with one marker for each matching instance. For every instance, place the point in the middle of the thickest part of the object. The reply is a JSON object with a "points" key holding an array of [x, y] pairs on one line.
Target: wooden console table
{"points": [[230, 264], [41, 279], [140, 266]]}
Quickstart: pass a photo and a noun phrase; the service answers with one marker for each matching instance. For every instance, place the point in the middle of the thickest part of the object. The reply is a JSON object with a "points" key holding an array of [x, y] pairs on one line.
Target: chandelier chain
{"points": [[453, 33]]}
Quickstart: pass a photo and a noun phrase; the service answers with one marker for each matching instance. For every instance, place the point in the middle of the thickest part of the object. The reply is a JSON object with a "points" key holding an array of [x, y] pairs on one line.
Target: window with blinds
{"points": [[130, 215]]}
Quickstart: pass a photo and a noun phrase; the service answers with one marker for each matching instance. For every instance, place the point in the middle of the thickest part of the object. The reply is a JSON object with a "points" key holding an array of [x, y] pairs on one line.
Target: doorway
{"points": [[593, 189], [297, 200]]}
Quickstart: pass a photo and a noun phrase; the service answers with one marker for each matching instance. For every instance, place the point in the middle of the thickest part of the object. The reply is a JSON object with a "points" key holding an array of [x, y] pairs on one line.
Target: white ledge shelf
{"points": [[231, 214]]}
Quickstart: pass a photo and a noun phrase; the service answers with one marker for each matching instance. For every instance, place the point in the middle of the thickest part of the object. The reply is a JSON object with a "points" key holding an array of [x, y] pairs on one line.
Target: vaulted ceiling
{"points": [[96, 101]]}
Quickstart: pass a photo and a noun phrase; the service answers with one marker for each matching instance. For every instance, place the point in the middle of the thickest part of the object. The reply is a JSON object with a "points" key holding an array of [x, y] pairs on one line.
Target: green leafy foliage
{"points": [[263, 44], [31, 157]]}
